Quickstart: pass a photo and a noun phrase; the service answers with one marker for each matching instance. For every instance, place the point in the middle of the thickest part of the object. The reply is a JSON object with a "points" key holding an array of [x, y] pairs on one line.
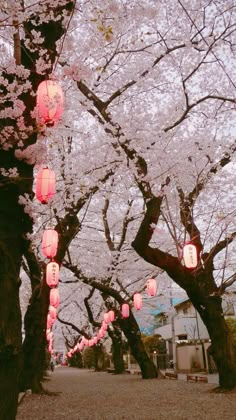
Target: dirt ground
{"points": [[88, 395]]}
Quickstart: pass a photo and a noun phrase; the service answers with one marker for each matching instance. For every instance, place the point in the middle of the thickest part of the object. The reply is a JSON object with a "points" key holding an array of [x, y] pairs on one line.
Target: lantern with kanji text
{"points": [[49, 102], [190, 256], [52, 274]]}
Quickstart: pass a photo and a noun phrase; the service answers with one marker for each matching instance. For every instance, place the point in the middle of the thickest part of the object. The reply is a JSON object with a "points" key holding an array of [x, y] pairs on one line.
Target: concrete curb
{"points": [[192, 377]]}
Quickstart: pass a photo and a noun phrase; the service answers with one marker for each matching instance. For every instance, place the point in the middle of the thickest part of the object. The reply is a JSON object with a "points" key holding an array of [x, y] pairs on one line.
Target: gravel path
{"points": [[87, 395]]}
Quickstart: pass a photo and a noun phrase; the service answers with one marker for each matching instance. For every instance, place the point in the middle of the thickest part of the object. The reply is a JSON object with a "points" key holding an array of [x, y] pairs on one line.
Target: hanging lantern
{"points": [[111, 315], [49, 102], [91, 342], [106, 317], [138, 303], [152, 287], [80, 346], [125, 310], [49, 336], [52, 274], [52, 312], [45, 185], [101, 333], [95, 340], [104, 325], [190, 256], [50, 347], [54, 298], [49, 243], [49, 322]]}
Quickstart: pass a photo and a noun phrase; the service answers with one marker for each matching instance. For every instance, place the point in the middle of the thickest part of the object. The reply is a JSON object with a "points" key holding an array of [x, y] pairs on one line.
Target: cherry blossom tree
{"points": [[29, 33], [165, 94]]}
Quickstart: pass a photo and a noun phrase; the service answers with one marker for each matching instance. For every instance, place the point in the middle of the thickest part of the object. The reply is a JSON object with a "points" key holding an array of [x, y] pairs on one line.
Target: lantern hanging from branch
{"points": [[49, 322], [52, 274], [91, 342], [190, 256], [52, 312], [125, 310], [49, 336], [49, 243], [152, 287], [49, 102], [111, 315], [106, 317], [104, 325], [45, 185], [138, 303], [54, 297]]}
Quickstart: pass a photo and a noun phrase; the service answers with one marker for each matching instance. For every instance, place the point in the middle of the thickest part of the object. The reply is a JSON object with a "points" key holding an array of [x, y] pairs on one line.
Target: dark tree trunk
{"points": [[14, 224], [132, 332], [117, 349], [34, 346], [200, 286], [222, 347]]}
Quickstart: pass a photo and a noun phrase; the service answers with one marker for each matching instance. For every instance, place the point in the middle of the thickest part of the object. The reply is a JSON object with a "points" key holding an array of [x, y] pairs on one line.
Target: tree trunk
{"points": [[34, 346], [14, 223], [132, 332], [117, 349], [223, 350], [201, 288]]}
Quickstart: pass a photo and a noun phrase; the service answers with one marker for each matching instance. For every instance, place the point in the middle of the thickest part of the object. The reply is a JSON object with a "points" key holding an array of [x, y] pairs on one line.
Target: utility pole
{"points": [[172, 327]]}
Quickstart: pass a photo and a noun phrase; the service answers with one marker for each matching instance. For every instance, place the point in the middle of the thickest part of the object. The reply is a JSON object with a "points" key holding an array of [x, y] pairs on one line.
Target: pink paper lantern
{"points": [[54, 297], [49, 102], [91, 342], [190, 256], [101, 333], [106, 317], [52, 274], [95, 340], [45, 185], [80, 346], [152, 287], [104, 325], [125, 310], [112, 315], [52, 312], [49, 336], [138, 303], [49, 322], [49, 243], [50, 349]]}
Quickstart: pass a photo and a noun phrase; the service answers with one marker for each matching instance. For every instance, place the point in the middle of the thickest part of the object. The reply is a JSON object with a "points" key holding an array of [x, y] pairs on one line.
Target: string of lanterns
{"points": [[190, 261], [49, 106], [109, 317]]}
